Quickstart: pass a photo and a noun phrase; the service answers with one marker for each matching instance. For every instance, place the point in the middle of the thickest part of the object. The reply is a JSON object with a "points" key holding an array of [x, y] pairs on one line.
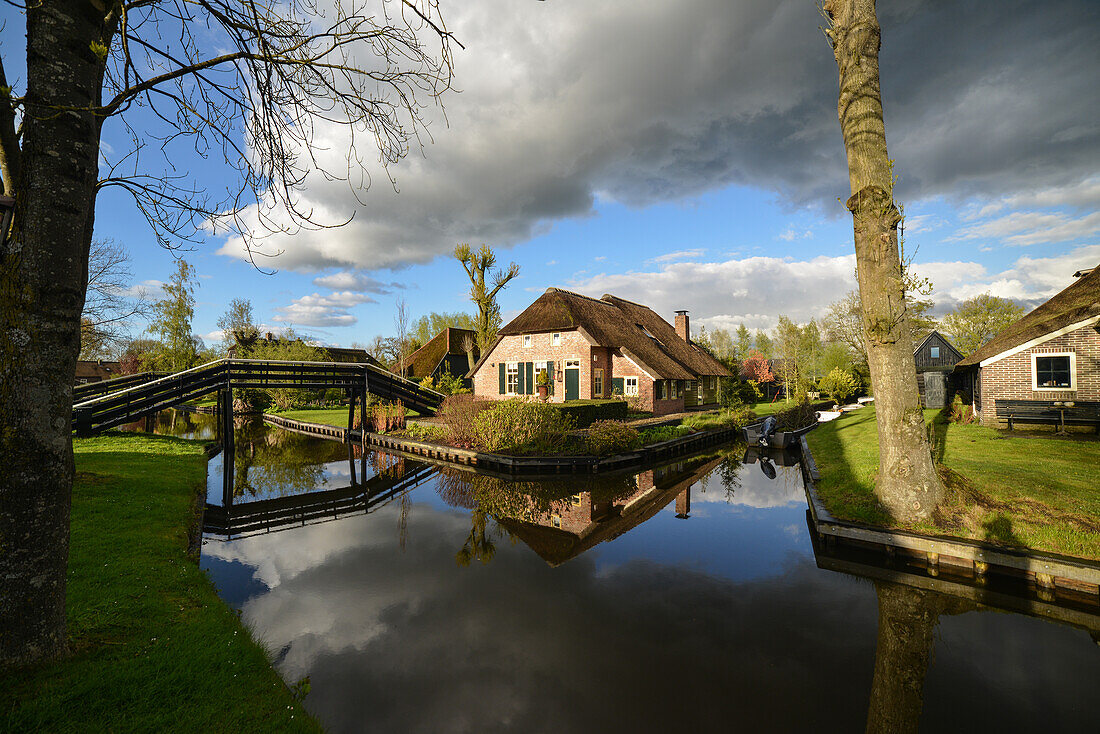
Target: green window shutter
{"points": [[530, 377], [550, 374], [502, 377], [522, 388]]}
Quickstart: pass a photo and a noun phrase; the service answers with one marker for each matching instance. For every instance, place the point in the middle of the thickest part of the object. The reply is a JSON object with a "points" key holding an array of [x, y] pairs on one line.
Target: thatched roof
{"points": [[423, 361], [97, 369], [613, 322], [1078, 302]]}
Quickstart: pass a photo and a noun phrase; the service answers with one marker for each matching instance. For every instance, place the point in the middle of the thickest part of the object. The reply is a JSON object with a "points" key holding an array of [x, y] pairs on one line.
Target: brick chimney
{"points": [[683, 504], [683, 326]]}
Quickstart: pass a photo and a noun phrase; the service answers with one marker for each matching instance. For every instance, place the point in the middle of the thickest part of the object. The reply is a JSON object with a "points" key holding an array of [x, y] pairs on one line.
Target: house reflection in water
{"points": [[571, 525]]}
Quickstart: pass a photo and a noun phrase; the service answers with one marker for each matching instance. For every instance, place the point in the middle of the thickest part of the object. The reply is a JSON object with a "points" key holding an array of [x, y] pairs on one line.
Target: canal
{"points": [[690, 597]]}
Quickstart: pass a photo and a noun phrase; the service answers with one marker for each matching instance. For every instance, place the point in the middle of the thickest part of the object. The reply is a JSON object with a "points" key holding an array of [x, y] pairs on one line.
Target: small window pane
{"points": [[555, 339], [935, 352], [1052, 371]]}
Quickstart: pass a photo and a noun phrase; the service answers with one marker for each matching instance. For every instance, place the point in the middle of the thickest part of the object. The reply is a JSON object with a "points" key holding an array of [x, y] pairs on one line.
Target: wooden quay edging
{"points": [[1050, 572], [515, 465]]}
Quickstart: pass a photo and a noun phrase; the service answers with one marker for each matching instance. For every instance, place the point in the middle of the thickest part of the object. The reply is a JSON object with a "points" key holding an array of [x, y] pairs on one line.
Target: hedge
{"points": [[586, 412]]}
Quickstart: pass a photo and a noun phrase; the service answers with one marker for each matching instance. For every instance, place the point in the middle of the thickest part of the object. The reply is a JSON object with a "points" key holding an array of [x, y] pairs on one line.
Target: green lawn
{"points": [[153, 647], [328, 416], [1027, 490], [765, 408]]}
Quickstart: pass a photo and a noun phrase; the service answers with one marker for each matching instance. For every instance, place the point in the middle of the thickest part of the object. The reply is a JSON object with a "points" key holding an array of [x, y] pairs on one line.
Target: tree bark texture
{"points": [[907, 483], [43, 275]]}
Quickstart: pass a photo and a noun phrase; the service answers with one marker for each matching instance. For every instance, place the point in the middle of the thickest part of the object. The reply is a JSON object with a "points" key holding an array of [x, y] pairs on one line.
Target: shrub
{"points": [[388, 417], [521, 426], [729, 392], [663, 433], [839, 385], [960, 411], [799, 416], [611, 437], [458, 413], [584, 413]]}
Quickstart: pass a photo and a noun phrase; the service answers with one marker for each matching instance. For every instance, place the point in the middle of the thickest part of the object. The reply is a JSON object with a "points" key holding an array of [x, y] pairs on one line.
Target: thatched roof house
{"points": [[1052, 353], [596, 348]]}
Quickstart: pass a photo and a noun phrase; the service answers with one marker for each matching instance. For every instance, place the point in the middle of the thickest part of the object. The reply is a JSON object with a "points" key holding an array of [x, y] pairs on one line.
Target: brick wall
{"points": [[1011, 379], [573, 346]]}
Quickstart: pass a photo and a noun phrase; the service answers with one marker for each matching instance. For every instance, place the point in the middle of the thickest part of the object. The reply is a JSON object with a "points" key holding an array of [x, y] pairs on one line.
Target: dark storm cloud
{"points": [[564, 102]]}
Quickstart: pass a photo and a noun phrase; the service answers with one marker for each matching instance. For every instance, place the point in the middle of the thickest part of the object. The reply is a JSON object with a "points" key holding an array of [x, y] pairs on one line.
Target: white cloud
{"points": [[1032, 228], [350, 280], [676, 256], [323, 310], [791, 234]]}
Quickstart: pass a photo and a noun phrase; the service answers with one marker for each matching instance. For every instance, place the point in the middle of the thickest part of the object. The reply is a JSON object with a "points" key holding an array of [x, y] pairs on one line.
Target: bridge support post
{"points": [[225, 429], [352, 394], [83, 427]]}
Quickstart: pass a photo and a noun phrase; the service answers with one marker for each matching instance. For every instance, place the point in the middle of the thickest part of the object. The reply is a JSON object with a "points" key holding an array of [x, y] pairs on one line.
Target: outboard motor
{"points": [[767, 467], [768, 430]]}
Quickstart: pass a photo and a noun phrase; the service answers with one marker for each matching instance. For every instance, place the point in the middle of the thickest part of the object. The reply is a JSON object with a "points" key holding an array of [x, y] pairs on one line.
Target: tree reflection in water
{"points": [[269, 462]]}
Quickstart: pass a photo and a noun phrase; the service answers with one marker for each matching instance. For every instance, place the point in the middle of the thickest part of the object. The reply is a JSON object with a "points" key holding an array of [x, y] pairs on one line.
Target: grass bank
{"points": [[1033, 491], [153, 647]]}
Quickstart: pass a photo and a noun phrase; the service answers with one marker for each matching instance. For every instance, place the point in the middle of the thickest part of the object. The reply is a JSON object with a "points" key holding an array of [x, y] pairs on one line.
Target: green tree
{"points": [[977, 320], [788, 346], [764, 344], [907, 483], [172, 316], [839, 385], [724, 347], [427, 326], [477, 265], [744, 341], [289, 347], [238, 327]]}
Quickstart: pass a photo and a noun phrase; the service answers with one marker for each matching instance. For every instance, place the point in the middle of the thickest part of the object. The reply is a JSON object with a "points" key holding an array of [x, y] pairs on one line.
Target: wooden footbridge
{"points": [[128, 399]]}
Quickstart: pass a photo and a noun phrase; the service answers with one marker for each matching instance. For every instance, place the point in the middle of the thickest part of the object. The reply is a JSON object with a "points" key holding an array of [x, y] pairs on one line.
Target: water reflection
{"points": [[180, 422], [576, 604]]}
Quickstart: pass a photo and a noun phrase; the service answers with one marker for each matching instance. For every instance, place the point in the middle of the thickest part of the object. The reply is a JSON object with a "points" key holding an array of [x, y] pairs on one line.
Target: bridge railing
{"points": [[90, 390], [123, 406]]}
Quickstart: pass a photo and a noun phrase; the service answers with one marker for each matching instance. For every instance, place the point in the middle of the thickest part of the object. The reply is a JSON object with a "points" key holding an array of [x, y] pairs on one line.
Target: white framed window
{"points": [[630, 386], [511, 374], [597, 382], [555, 339], [526, 340], [935, 352], [575, 363], [1054, 371]]}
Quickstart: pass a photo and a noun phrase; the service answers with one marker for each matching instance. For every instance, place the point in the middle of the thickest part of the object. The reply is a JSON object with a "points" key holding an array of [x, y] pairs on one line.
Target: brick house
{"points": [[1052, 353], [444, 352], [935, 358], [598, 348]]}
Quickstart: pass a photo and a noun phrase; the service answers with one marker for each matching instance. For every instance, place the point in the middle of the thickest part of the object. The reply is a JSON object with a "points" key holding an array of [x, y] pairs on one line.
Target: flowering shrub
{"points": [[458, 413], [520, 426], [611, 437]]}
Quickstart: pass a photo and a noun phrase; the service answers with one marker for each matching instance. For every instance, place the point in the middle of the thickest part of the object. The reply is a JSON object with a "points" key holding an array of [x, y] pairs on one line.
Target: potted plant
{"points": [[542, 382]]}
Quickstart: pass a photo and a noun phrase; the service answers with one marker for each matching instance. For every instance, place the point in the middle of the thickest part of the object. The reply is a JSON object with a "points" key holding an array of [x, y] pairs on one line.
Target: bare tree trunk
{"points": [[43, 275], [907, 481]]}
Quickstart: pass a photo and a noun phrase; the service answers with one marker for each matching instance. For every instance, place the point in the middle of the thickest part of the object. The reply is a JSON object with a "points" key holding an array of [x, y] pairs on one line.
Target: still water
{"points": [[687, 598]]}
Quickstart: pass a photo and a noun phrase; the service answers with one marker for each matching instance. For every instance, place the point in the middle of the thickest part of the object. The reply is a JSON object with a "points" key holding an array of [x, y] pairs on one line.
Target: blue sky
{"points": [[685, 155]]}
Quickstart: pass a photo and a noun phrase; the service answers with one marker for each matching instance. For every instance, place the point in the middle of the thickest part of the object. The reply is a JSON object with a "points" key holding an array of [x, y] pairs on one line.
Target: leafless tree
{"points": [[401, 324], [112, 302], [249, 86]]}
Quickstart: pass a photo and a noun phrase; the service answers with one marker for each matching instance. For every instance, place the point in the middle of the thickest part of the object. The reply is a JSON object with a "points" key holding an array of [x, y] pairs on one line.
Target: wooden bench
{"points": [[1080, 413]]}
